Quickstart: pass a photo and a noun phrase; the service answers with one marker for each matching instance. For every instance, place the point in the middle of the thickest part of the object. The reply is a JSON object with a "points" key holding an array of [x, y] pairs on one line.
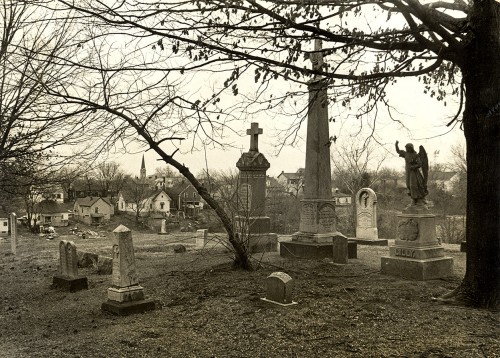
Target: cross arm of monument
{"points": [[254, 132]]}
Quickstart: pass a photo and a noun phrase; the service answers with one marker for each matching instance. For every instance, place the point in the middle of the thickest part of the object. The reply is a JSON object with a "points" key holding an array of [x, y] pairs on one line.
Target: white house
{"points": [[159, 202]]}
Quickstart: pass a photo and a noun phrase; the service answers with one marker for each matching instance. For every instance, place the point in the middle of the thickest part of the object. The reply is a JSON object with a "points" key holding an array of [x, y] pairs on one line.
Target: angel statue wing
{"points": [[425, 163]]}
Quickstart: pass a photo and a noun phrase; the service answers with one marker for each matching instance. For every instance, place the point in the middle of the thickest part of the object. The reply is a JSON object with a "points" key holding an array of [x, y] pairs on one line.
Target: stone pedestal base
{"points": [[352, 249], [415, 269], [263, 243], [306, 250], [417, 253], [128, 308], [126, 294], [371, 242], [70, 284], [163, 233], [253, 224]]}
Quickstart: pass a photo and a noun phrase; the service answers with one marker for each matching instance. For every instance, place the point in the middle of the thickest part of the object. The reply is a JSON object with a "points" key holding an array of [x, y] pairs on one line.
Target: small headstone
{"points": [[13, 233], [104, 265], [340, 251], [125, 296], [201, 237], [163, 229], [279, 289], [68, 279], [366, 218]]}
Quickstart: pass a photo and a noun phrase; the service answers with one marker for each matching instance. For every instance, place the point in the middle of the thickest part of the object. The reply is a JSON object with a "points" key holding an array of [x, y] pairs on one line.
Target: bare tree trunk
{"points": [[481, 74]]}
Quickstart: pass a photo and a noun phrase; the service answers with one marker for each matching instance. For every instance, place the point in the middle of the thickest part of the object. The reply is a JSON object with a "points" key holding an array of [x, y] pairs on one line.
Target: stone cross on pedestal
{"points": [[254, 132]]}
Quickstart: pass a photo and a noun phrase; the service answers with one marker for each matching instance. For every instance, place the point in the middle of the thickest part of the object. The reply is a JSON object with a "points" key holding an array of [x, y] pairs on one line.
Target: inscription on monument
{"points": [[364, 219], [307, 214], [327, 218], [405, 252], [246, 197]]}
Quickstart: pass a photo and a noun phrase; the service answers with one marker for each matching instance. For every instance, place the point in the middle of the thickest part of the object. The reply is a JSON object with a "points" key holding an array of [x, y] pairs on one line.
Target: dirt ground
{"points": [[208, 309]]}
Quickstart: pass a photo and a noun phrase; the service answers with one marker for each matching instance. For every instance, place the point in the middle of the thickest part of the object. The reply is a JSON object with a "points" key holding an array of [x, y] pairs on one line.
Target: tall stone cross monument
{"points": [[317, 226], [252, 223]]}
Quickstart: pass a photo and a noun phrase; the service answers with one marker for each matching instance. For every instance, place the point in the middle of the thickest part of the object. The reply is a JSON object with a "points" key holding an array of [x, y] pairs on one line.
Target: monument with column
{"points": [[317, 227], [252, 224]]}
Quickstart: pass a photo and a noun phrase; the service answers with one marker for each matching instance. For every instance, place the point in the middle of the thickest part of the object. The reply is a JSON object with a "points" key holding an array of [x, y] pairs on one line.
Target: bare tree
{"points": [[110, 178], [449, 46]]}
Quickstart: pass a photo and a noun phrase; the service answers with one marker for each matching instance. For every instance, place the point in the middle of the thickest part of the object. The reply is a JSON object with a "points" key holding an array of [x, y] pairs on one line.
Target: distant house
{"points": [[341, 199], [50, 212], [4, 223], [292, 182], [159, 203], [444, 180], [185, 198], [93, 210]]}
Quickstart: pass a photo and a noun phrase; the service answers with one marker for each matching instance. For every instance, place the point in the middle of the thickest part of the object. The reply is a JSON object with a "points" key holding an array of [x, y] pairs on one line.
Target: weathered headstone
{"points": [[13, 233], [318, 220], [340, 249], [279, 289], [417, 253], [125, 296], [163, 228], [201, 238], [68, 278], [366, 218], [252, 223]]}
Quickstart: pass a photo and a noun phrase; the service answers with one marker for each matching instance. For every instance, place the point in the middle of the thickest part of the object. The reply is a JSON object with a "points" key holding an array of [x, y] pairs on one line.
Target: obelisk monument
{"points": [[317, 226]]}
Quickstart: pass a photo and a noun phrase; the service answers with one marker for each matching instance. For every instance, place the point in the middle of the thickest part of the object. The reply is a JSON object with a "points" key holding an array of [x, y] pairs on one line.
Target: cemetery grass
{"points": [[208, 309]]}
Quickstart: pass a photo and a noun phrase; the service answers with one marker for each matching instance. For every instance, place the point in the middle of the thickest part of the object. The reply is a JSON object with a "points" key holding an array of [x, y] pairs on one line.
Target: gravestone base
{"points": [[307, 250], [417, 269], [128, 308], [70, 284], [352, 249], [163, 233], [126, 294], [263, 243], [417, 254], [371, 242], [253, 224]]}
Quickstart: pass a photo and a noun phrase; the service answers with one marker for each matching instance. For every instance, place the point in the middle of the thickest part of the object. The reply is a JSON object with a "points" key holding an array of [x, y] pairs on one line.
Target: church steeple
{"points": [[143, 168]]}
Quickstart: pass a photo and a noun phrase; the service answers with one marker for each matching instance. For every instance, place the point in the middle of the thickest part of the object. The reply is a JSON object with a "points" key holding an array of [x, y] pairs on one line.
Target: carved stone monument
{"points": [[366, 218], [68, 279], [318, 220], [125, 296], [417, 253], [252, 224], [279, 289]]}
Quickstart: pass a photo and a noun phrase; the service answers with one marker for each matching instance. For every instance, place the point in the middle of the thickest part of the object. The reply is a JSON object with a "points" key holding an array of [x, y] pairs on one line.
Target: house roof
{"points": [[91, 200], [158, 193], [292, 175], [49, 207]]}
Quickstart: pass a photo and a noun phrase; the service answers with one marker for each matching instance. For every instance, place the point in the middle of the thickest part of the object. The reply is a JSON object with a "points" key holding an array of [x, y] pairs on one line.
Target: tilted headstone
{"points": [[279, 289], [68, 278], [13, 233], [125, 296]]}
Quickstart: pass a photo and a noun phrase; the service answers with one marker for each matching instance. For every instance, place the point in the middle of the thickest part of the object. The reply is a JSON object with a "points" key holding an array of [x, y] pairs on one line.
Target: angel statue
{"points": [[417, 169]]}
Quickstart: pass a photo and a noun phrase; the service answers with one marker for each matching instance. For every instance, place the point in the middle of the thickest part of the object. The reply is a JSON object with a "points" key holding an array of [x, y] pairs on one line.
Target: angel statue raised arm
{"points": [[416, 170]]}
